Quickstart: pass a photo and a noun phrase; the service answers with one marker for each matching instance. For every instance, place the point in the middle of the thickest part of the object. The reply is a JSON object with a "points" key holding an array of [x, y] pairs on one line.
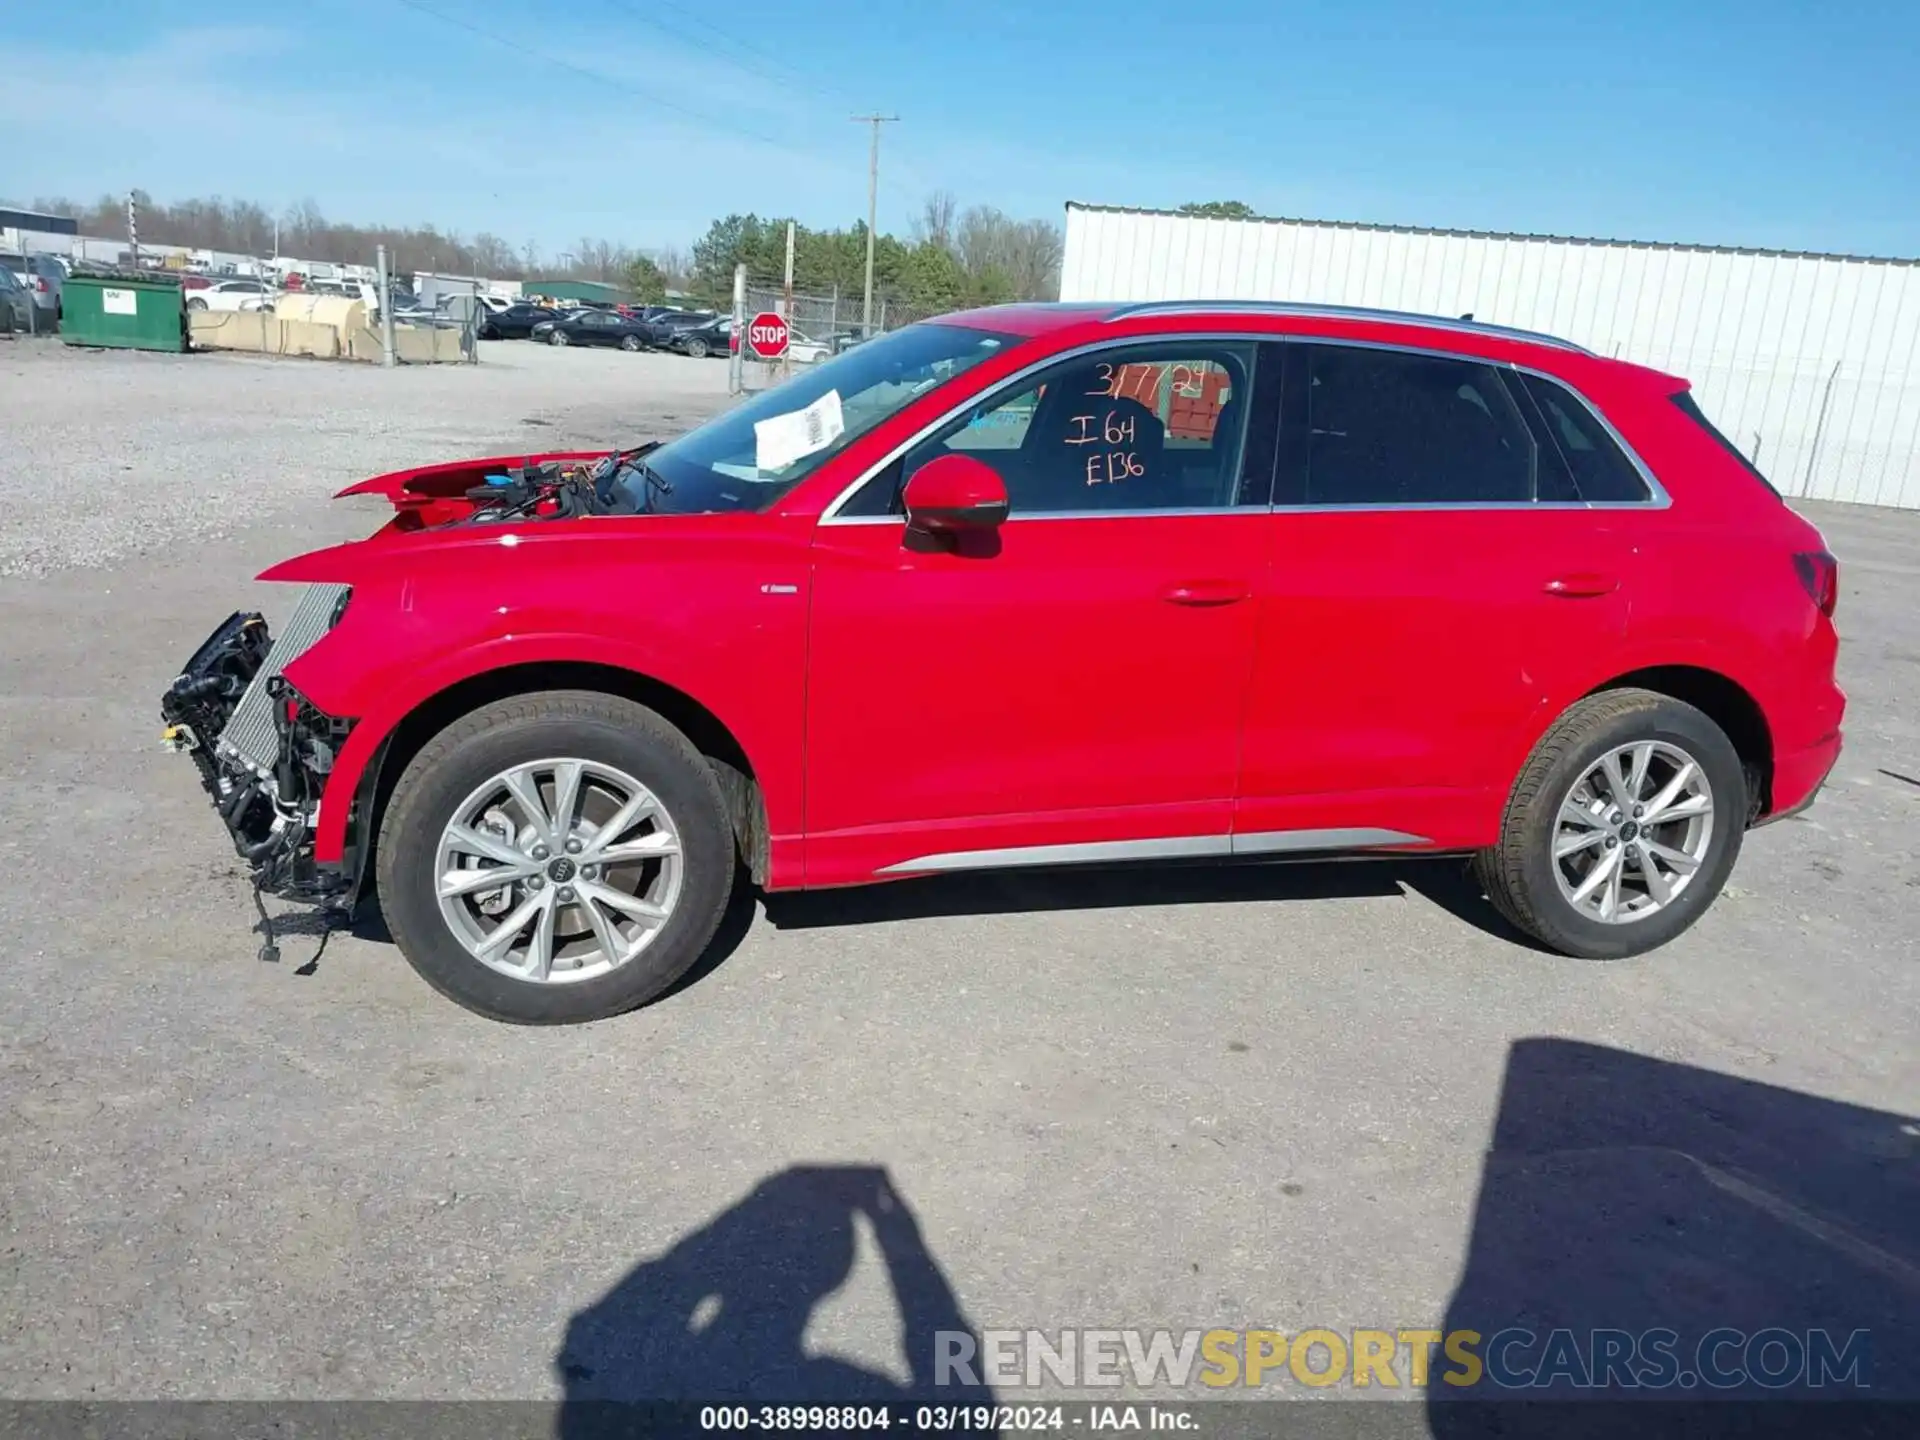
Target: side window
{"points": [[1579, 460], [1391, 428], [1146, 427]]}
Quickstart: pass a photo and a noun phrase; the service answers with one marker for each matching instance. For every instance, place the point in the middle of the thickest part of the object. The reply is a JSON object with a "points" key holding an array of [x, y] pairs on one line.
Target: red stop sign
{"points": [[767, 335]]}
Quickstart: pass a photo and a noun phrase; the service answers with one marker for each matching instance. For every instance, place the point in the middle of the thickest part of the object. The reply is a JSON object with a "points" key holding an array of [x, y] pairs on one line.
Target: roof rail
{"points": [[1337, 312]]}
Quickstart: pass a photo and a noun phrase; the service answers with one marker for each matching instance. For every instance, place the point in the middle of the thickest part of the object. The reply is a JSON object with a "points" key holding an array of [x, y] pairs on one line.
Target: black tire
{"points": [[630, 343], [1518, 872], [530, 727], [196, 304], [697, 348], [557, 337]]}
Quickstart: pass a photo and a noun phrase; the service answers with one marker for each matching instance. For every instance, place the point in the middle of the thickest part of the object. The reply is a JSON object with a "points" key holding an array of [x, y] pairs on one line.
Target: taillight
{"points": [[1820, 573]]}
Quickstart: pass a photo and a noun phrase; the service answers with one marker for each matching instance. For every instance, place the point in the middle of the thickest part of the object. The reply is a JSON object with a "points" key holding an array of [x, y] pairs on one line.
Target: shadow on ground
{"points": [[1443, 880], [721, 1316], [1767, 1241]]}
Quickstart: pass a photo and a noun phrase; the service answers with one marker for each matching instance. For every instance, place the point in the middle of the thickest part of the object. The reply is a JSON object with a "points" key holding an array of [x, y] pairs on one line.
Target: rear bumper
{"points": [[1798, 777]]}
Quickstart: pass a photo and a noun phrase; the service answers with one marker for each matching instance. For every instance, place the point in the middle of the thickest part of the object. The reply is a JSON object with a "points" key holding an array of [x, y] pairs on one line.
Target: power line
{"points": [[622, 86], [789, 79]]}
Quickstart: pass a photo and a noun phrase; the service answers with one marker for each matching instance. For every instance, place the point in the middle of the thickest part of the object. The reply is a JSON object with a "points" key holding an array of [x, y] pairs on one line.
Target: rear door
{"points": [[1439, 589]]}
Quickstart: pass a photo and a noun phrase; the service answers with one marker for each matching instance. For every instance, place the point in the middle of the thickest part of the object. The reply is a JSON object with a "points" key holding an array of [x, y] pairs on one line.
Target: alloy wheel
{"points": [[558, 871], [1633, 832]]}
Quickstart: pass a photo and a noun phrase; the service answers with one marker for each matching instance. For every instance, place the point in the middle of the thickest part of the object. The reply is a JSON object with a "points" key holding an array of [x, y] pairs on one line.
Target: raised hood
{"points": [[433, 494]]}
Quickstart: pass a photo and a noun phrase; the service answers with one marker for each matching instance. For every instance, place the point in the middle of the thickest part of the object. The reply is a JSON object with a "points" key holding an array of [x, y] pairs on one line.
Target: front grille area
{"points": [[250, 737]]}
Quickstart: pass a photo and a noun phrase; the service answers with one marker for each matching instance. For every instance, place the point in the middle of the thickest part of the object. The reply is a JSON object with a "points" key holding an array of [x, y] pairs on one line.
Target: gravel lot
{"points": [[1289, 1096], [178, 449]]}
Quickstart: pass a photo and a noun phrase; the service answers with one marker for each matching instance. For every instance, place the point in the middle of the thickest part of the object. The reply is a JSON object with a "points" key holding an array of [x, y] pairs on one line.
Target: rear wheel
{"points": [[1622, 827], [629, 343], [555, 858], [196, 304]]}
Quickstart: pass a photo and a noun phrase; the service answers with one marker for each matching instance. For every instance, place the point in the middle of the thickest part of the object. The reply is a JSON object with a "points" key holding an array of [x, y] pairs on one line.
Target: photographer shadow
{"points": [[1766, 1240], [721, 1317]]}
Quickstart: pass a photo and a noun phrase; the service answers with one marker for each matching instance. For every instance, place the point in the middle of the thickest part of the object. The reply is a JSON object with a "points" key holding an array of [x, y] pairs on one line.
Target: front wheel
{"points": [[555, 858], [697, 348], [630, 343], [1622, 827], [557, 337]]}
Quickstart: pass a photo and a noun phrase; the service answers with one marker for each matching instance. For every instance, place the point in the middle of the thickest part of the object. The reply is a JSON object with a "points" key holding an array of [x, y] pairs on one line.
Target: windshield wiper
{"points": [[656, 484]]}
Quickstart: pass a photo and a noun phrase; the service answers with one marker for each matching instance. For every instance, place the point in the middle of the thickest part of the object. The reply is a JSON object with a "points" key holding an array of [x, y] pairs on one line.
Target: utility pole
{"points": [[737, 353], [133, 232], [786, 305], [386, 307], [873, 205]]}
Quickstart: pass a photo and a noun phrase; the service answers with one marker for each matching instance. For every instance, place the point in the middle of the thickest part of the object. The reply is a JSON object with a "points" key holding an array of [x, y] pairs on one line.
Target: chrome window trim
{"points": [[1658, 499], [1172, 847], [1182, 512], [831, 515], [1657, 493]]}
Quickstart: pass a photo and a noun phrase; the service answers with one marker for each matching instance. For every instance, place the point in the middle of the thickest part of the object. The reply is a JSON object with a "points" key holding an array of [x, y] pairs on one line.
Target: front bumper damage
{"points": [[263, 751]]}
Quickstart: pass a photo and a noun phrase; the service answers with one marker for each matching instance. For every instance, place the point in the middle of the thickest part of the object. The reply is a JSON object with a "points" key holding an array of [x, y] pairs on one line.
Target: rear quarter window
{"points": [[1579, 460]]}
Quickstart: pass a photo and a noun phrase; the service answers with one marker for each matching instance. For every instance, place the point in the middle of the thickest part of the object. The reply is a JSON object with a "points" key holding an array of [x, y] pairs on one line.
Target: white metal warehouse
{"points": [[1806, 361]]}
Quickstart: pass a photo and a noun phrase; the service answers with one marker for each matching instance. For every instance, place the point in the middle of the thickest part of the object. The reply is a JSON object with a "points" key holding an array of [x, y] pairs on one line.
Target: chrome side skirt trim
{"points": [[1275, 842], [1176, 847]]}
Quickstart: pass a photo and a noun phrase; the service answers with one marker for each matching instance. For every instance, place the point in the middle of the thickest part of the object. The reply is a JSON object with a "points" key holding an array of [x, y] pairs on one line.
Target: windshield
{"points": [[752, 455]]}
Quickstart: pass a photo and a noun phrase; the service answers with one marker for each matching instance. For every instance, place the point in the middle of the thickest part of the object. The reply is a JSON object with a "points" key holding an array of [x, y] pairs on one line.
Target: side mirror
{"points": [[955, 493]]}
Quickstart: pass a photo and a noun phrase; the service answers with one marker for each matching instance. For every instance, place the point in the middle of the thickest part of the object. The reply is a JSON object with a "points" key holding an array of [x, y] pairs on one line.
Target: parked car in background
{"points": [[16, 304], [42, 276], [803, 349], [594, 327], [516, 322], [712, 337], [666, 323], [232, 295]]}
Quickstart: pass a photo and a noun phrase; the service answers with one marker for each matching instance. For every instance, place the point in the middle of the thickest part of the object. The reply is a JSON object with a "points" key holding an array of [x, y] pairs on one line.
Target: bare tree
{"points": [[1026, 252], [934, 226], [674, 265]]}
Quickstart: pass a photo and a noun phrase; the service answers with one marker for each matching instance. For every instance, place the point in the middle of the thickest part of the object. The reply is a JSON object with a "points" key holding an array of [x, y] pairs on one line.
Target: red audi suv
{"points": [[1040, 585]]}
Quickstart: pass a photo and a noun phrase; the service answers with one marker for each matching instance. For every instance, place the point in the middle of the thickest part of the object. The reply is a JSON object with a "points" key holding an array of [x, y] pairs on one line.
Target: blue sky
{"points": [[1767, 123]]}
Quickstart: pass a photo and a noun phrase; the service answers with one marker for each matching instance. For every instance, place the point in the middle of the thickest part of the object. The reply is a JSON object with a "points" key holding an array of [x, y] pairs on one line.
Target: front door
{"points": [[1068, 686]]}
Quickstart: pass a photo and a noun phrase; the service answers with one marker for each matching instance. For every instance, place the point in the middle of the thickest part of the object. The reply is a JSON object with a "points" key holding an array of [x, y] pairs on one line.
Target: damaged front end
{"points": [[263, 750]]}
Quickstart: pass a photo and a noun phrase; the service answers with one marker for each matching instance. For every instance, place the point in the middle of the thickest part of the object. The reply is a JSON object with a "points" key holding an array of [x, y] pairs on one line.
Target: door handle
{"points": [[1584, 586], [1206, 592]]}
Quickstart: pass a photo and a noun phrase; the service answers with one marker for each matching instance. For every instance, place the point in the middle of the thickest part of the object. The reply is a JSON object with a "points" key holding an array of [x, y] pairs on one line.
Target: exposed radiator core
{"points": [[250, 737]]}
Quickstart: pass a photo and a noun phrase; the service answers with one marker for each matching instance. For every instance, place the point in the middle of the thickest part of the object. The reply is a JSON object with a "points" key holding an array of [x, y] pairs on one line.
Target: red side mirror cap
{"points": [[955, 492]]}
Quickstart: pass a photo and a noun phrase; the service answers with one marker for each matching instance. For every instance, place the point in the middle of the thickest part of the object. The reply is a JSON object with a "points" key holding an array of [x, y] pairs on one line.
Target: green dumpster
{"points": [[123, 309]]}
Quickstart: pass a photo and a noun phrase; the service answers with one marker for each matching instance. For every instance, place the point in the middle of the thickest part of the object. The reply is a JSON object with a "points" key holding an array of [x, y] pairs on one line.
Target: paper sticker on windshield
{"points": [[783, 439]]}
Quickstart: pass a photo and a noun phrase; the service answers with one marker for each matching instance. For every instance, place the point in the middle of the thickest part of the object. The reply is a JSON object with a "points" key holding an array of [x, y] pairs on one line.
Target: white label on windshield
{"points": [[783, 439]]}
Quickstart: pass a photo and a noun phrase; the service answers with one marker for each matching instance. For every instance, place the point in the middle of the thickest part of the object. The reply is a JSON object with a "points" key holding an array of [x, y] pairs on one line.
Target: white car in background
{"points": [[231, 295], [803, 350]]}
